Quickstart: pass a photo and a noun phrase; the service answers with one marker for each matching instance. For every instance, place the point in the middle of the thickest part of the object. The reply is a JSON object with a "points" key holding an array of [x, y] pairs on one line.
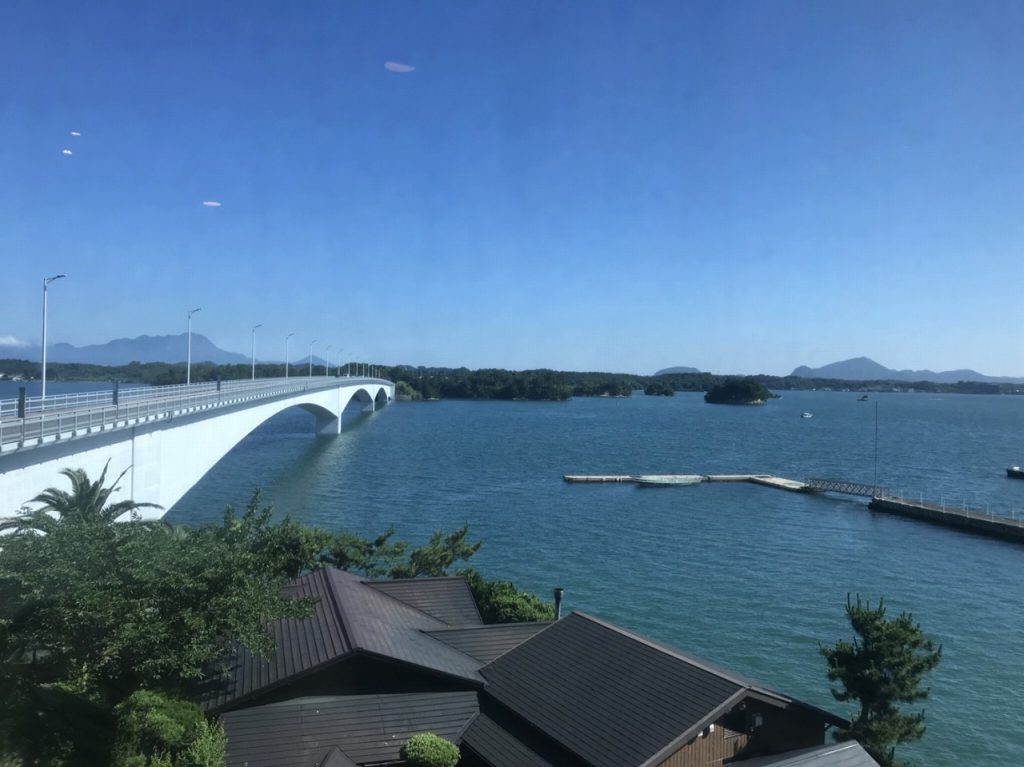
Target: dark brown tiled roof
{"points": [[611, 697], [349, 617], [447, 599], [365, 729], [485, 643]]}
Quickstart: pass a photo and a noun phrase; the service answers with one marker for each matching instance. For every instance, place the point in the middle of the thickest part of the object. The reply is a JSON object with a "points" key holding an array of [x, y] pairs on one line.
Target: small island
{"points": [[659, 389], [738, 391]]}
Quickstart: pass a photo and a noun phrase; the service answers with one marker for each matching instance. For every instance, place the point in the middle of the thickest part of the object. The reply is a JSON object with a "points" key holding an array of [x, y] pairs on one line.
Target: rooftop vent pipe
{"points": [[558, 601]]}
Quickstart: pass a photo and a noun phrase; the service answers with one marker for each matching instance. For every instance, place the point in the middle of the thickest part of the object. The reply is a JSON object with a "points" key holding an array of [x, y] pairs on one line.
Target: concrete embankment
{"points": [[991, 525]]}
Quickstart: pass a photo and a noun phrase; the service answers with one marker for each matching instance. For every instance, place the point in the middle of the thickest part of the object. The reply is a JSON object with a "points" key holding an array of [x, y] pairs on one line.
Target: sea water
{"points": [[751, 578]]}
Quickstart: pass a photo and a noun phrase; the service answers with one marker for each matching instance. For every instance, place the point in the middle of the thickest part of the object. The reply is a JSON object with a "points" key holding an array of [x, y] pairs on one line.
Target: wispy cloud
{"points": [[12, 341], [75, 133], [211, 203], [395, 66], [66, 152]]}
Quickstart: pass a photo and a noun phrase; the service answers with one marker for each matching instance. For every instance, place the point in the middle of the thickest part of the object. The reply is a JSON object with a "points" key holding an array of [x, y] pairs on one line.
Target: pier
{"points": [[987, 524], [991, 525], [758, 479]]}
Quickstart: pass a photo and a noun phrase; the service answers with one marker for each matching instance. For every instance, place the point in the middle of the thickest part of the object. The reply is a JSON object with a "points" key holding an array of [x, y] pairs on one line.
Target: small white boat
{"points": [[805, 414], [667, 480]]}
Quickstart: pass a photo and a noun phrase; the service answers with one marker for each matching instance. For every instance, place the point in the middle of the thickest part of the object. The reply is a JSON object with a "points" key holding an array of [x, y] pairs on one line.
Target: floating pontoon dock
{"points": [[758, 479], [988, 524]]}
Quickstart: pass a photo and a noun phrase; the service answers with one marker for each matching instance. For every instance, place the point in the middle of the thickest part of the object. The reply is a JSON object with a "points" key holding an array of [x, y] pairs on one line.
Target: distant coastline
{"points": [[431, 383]]}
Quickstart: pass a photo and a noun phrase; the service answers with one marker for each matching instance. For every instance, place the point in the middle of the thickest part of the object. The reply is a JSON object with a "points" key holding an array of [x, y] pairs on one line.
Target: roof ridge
{"points": [[339, 613], [418, 578], [479, 626], [680, 655]]}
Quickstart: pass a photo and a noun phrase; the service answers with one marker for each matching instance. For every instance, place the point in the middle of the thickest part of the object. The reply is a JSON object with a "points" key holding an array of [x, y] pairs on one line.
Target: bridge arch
{"points": [[165, 458]]}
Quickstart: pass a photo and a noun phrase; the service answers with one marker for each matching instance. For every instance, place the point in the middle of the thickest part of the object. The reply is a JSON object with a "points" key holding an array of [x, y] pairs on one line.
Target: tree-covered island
{"points": [[738, 391], [429, 383]]}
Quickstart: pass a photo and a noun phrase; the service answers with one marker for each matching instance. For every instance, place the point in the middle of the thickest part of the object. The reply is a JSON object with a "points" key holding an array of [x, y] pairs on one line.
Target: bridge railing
{"points": [[69, 415]]}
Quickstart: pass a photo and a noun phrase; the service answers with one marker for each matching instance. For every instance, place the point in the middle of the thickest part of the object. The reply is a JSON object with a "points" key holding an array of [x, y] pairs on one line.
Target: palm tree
{"points": [[85, 504]]}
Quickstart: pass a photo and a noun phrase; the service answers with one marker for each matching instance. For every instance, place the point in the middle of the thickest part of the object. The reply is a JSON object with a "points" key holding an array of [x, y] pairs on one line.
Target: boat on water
{"points": [[667, 480], [862, 398], [1015, 472], [805, 414]]}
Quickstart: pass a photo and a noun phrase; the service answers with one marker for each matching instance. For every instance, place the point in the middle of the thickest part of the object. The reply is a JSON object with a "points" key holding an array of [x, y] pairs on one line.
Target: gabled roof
{"points": [[609, 696], [485, 643], [351, 729], [501, 739], [349, 617], [849, 754], [448, 599]]}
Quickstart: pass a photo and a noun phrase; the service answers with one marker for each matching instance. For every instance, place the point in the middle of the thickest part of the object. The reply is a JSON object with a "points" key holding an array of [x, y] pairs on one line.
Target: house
{"points": [[379, 661]]}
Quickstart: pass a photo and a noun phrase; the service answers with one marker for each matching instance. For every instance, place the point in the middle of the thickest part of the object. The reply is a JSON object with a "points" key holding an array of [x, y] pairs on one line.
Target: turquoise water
{"points": [[749, 577]]}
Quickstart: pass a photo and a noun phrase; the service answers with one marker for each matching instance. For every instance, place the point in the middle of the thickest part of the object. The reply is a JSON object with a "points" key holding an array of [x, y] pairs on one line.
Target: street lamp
{"points": [[327, 360], [286, 353], [46, 282], [311, 357], [188, 358], [254, 349]]}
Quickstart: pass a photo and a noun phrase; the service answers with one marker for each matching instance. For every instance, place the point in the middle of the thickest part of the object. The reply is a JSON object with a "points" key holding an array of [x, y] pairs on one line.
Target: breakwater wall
{"points": [[991, 525]]}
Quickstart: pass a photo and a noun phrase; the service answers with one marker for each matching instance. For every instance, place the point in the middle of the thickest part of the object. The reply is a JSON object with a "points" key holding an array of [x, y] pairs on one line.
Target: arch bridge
{"points": [[166, 437]]}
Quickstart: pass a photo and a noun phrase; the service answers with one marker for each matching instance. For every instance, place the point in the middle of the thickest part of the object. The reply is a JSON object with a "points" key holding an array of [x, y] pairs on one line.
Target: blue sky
{"points": [[740, 187]]}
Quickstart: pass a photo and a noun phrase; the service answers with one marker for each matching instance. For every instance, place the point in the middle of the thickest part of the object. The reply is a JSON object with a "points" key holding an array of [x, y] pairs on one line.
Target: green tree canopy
{"points": [[85, 504], [429, 750], [738, 391], [882, 667]]}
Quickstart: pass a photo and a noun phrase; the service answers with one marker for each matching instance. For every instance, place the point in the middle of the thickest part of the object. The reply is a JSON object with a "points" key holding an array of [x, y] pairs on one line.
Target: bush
{"points": [[502, 602], [429, 750], [156, 731]]}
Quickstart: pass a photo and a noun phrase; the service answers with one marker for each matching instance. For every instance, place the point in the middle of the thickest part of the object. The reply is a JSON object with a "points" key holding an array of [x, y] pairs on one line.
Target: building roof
{"points": [[351, 729], [501, 739], [609, 696], [485, 643], [849, 754], [448, 599], [349, 617]]}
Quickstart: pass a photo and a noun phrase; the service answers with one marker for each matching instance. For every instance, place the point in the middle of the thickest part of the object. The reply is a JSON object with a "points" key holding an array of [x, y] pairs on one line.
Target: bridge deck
{"points": [[64, 415]]}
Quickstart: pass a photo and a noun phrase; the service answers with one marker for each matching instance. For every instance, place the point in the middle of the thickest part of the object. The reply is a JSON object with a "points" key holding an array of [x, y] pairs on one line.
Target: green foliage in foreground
{"points": [[882, 667], [92, 612], [429, 750], [502, 602], [86, 503], [156, 731]]}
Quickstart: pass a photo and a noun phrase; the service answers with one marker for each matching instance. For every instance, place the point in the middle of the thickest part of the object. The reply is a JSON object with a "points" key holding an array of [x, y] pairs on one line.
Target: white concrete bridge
{"points": [[167, 437]]}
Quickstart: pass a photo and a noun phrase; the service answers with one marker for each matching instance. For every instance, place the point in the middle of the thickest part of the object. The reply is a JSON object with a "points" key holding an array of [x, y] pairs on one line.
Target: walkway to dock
{"points": [[988, 524]]}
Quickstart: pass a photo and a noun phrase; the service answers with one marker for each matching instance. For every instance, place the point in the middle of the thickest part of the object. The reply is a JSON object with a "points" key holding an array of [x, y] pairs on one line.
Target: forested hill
{"points": [[490, 383]]}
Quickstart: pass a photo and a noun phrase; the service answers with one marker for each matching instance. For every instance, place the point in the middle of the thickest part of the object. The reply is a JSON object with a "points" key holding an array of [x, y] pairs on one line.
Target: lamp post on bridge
{"points": [[327, 360], [46, 283], [188, 356], [286, 353], [311, 357], [254, 349]]}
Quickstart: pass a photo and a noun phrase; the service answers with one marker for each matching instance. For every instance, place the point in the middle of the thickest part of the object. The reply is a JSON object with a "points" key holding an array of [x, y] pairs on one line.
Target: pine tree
{"points": [[882, 667]]}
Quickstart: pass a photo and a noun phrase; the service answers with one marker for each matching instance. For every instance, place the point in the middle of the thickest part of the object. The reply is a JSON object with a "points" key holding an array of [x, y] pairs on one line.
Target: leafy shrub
{"points": [[429, 750], [502, 602], [156, 731]]}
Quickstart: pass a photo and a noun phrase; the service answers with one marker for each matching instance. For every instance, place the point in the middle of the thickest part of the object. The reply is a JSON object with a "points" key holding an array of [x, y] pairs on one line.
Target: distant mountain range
{"points": [[122, 351], [864, 369], [669, 371]]}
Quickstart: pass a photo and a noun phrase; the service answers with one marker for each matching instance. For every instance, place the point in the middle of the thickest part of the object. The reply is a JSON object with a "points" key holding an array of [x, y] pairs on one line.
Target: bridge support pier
{"points": [[328, 425]]}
